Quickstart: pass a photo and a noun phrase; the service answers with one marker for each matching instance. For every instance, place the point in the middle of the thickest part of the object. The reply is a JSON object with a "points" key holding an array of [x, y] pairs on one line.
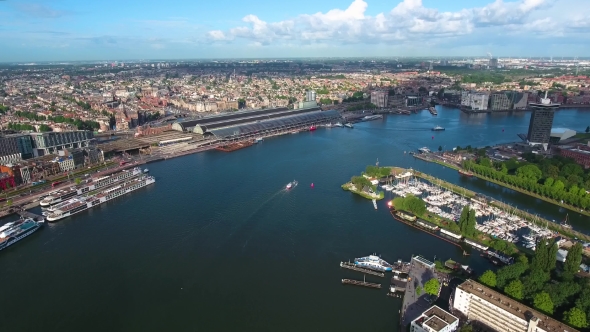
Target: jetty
{"points": [[353, 267], [361, 283], [27, 214]]}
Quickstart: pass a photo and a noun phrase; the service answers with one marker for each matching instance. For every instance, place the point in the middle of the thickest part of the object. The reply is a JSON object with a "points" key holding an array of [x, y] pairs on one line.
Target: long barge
{"points": [[79, 204], [62, 195], [15, 231], [234, 146]]}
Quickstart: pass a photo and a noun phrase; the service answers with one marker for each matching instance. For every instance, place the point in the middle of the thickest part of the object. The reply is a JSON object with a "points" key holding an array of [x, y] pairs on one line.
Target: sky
{"points": [[74, 30]]}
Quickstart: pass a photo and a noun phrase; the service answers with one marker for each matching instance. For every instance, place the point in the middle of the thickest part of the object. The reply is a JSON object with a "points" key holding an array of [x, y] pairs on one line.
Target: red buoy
{"points": [[432, 137], [312, 184]]}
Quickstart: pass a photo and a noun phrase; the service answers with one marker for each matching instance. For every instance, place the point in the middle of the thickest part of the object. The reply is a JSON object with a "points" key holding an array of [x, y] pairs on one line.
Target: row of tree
{"points": [[528, 177], [553, 291], [25, 126], [410, 203], [80, 124]]}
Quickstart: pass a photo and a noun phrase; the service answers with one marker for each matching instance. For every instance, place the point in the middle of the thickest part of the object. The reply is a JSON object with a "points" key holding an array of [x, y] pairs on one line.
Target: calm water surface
{"points": [[218, 245]]}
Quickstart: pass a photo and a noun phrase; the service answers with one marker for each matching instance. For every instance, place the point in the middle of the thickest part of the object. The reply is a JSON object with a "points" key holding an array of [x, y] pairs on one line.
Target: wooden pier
{"points": [[360, 283], [353, 267]]}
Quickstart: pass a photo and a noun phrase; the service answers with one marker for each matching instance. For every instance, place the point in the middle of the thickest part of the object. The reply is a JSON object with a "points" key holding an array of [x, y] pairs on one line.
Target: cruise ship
{"points": [[62, 195], [15, 231], [373, 262], [82, 203]]}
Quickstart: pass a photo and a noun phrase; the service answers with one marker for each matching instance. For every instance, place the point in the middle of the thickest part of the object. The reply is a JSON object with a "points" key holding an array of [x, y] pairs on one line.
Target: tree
{"points": [[77, 181], [515, 289], [509, 273], [540, 258], [488, 278], [45, 128], [551, 257], [529, 172], [561, 292], [534, 282], [573, 260], [576, 318], [9, 202], [467, 221], [440, 148], [542, 302], [419, 290], [588, 129], [432, 286], [415, 205]]}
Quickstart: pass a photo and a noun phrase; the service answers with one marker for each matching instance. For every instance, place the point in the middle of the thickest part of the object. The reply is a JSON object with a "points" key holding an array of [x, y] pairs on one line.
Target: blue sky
{"points": [[54, 30]]}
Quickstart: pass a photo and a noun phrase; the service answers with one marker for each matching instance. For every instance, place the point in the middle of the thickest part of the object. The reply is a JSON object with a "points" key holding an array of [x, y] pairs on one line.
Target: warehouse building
{"points": [[241, 124]]}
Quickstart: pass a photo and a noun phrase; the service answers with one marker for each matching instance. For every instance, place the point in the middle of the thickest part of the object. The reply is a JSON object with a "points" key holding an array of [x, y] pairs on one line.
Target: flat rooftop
{"points": [[514, 307]]}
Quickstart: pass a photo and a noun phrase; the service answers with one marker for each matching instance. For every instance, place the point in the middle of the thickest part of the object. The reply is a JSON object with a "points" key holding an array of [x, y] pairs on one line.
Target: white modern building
{"points": [[560, 134], [477, 101], [435, 319], [501, 313]]}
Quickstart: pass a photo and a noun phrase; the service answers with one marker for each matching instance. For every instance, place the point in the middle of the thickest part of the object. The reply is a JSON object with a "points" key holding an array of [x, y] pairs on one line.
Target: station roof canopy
{"points": [[273, 124], [562, 133]]}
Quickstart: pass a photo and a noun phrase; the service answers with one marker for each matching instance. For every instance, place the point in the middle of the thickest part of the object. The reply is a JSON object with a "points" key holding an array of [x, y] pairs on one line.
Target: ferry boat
{"points": [[15, 231], [146, 171], [466, 173], [291, 184], [338, 124], [62, 195], [438, 128], [432, 110], [79, 204], [373, 262], [348, 125], [258, 140]]}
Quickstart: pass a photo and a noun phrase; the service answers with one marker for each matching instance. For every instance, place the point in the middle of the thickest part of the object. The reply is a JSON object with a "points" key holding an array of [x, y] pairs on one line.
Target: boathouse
{"points": [[406, 215], [426, 224]]}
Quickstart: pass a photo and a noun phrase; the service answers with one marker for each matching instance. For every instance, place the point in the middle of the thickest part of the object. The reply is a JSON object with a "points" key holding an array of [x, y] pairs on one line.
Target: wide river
{"points": [[217, 244]]}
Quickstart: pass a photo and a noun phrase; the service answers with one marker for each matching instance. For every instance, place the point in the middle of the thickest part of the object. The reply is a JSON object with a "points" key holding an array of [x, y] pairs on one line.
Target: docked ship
{"points": [[432, 110], [424, 150], [466, 173], [15, 231], [62, 195], [438, 128], [82, 203], [312, 128], [373, 262], [349, 125]]}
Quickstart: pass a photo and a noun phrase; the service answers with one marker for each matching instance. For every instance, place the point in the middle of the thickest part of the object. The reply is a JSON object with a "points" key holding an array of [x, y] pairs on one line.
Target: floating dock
{"points": [[353, 267], [360, 283]]}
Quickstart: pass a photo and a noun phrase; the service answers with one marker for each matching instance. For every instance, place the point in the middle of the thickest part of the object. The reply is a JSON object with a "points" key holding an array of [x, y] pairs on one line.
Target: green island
{"points": [[362, 186], [553, 289]]}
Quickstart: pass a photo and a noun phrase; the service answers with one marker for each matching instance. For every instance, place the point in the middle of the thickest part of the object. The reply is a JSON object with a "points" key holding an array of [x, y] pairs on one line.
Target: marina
{"points": [[353, 267], [493, 221]]}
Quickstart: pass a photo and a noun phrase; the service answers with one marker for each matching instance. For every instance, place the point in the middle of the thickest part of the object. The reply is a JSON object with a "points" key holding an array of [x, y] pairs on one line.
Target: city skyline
{"points": [[65, 30]]}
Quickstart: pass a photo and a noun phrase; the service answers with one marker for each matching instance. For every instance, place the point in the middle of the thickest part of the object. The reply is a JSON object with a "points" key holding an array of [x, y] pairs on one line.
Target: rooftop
{"points": [[516, 308]]}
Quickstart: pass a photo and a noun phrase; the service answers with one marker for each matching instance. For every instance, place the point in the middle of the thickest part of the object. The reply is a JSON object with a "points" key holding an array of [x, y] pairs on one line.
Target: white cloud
{"points": [[408, 22]]}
